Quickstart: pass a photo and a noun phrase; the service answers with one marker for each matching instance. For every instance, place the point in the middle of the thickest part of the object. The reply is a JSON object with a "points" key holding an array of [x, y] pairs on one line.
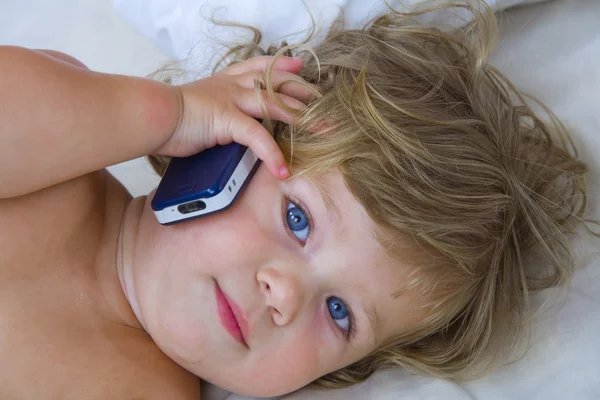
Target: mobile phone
{"points": [[204, 183]]}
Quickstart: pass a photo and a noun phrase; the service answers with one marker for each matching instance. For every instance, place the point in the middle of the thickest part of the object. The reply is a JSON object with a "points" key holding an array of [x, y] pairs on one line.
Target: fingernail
{"points": [[284, 172]]}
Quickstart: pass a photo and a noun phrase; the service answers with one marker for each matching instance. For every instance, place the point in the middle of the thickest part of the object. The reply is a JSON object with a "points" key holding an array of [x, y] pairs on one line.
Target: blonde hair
{"points": [[445, 154]]}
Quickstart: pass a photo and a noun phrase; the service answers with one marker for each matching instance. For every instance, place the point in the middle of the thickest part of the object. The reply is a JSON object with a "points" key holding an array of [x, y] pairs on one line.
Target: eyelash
{"points": [[298, 205], [350, 335], [347, 335]]}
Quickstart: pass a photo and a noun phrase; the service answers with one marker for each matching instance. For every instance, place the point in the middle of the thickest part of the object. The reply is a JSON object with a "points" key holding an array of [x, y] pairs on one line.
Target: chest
{"points": [[48, 349], [51, 345], [51, 227], [45, 357], [47, 353]]}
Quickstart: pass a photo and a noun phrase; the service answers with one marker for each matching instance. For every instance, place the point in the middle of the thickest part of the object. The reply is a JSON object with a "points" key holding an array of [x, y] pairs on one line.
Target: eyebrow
{"points": [[333, 212], [373, 319]]}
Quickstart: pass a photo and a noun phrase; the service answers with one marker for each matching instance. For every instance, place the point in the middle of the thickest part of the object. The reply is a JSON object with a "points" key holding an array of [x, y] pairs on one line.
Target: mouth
{"points": [[231, 316]]}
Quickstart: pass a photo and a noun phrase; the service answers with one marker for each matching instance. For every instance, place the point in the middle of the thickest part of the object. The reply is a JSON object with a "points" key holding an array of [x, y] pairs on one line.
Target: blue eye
{"points": [[297, 221], [339, 312]]}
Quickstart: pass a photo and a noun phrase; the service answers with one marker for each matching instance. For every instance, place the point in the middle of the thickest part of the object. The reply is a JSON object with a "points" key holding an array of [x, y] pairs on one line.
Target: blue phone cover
{"points": [[199, 176]]}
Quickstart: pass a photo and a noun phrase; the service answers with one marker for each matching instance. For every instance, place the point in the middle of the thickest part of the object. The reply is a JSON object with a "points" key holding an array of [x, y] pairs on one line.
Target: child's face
{"points": [[295, 295]]}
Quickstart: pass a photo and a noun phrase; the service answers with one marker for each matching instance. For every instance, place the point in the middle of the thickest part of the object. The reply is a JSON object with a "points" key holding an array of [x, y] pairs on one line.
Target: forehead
{"points": [[359, 262]]}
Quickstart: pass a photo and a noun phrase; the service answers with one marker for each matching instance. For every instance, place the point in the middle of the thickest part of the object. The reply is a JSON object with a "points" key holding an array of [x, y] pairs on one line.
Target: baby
{"points": [[389, 224]]}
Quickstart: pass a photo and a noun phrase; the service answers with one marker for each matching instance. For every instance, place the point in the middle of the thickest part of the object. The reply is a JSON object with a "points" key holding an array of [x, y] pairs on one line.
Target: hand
{"points": [[222, 108]]}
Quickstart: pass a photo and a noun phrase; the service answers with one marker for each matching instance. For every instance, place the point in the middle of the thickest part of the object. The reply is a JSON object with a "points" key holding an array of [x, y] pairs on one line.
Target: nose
{"points": [[283, 293]]}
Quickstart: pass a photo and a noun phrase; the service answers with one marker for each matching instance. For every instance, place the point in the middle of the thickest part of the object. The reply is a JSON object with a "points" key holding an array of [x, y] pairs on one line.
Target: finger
{"points": [[248, 103], [249, 132], [283, 82], [262, 63]]}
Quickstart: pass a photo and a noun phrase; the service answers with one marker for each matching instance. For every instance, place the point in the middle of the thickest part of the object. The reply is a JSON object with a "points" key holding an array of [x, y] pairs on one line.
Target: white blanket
{"points": [[551, 50]]}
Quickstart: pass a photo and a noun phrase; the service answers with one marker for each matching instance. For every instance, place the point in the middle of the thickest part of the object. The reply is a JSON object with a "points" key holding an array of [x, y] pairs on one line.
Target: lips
{"points": [[231, 316]]}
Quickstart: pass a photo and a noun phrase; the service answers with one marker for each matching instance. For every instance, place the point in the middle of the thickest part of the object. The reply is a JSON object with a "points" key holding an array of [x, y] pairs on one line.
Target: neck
{"points": [[124, 257], [121, 218]]}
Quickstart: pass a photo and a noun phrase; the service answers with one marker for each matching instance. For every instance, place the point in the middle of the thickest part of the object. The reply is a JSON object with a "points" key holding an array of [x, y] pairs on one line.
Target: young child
{"points": [[388, 225]]}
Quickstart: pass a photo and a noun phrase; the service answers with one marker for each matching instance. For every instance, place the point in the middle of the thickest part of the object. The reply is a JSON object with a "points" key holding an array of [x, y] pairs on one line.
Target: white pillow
{"points": [[180, 26]]}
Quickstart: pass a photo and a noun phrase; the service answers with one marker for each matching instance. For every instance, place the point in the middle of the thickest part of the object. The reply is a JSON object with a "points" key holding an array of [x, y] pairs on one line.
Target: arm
{"points": [[58, 120]]}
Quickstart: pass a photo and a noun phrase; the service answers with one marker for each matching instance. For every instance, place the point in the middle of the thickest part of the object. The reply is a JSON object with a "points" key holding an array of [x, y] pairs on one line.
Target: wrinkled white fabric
{"points": [[183, 28]]}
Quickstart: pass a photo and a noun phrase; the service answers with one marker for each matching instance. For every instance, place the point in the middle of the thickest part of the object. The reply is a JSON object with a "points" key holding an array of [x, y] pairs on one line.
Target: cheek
{"points": [[221, 240], [228, 243], [293, 361], [286, 368], [180, 326], [206, 245]]}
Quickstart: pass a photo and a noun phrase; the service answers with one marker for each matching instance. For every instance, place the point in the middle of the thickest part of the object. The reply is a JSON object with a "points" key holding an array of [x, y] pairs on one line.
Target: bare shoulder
{"points": [[40, 224], [58, 212], [68, 201]]}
